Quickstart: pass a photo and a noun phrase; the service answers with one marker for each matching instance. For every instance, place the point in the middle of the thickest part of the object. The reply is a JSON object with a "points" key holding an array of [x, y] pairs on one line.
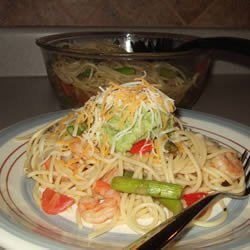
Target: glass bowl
{"points": [[78, 64]]}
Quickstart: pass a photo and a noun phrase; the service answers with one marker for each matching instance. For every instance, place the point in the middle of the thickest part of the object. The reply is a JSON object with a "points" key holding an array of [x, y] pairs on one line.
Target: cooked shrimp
{"points": [[80, 148], [229, 164], [101, 206], [76, 146], [110, 175]]}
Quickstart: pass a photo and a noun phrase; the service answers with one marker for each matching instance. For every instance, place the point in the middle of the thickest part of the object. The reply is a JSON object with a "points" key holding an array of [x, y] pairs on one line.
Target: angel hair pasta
{"points": [[124, 158], [80, 78]]}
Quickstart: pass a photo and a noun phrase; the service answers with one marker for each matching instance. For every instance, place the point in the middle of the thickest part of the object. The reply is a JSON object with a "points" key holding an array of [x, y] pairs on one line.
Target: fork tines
{"points": [[245, 159]]}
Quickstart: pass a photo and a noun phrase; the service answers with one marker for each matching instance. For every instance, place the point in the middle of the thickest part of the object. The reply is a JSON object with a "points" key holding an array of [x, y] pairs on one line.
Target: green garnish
{"points": [[126, 70], [170, 147], [84, 74], [81, 128]]}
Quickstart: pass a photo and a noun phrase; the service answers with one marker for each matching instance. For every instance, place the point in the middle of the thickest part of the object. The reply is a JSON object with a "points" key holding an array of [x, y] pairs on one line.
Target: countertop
{"points": [[226, 96]]}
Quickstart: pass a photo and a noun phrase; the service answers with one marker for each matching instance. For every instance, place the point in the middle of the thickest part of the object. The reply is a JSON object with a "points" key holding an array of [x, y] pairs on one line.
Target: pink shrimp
{"points": [[101, 206], [80, 148], [76, 146], [110, 175], [229, 164]]}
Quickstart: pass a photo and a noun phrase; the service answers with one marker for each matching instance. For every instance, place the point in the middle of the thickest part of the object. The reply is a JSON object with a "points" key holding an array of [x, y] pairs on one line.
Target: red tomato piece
{"points": [[68, 89], [55, 203], [142, 146], [190, 199], [47, 164]]}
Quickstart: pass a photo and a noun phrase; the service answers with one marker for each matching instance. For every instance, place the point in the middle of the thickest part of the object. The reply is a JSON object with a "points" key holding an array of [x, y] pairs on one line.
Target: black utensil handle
{"points": [[232, 44], [162, 235]]}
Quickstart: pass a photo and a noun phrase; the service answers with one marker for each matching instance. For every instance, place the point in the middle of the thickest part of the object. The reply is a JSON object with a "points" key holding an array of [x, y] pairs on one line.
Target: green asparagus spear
{"points": [[168, 73], [84, 74], [173, 205], [147, 187]]}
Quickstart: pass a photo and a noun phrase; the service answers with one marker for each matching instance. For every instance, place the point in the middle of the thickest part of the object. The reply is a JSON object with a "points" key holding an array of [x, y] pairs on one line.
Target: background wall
{"points": [[132, 13], [22, 21]]}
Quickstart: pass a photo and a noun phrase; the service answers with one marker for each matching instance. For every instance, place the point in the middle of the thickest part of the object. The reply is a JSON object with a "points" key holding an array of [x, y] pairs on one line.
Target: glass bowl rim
{"points": [[46, 43]]}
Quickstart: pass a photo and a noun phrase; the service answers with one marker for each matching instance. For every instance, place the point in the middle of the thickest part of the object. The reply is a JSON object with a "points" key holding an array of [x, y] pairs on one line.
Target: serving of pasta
{"points": [[124, 158], [80, 78]]}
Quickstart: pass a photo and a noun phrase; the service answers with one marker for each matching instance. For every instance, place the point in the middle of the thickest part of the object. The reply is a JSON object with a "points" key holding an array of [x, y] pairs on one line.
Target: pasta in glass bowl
{"points": [[78, 64]]}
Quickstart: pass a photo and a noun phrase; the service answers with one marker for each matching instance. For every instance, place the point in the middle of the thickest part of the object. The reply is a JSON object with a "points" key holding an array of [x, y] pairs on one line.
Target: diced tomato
{"points": [[47, 164], [55, 203], [68, 89], [202, 65], [142, 146], [81, 100], [190, 199]]}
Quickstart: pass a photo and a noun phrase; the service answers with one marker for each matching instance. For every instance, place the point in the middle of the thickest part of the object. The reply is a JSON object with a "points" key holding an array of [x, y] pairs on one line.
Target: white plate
{"points": [[24, 226]]}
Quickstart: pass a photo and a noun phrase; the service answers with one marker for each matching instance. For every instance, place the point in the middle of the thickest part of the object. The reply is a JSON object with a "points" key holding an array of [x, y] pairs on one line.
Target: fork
{"points": [[163, 235]]}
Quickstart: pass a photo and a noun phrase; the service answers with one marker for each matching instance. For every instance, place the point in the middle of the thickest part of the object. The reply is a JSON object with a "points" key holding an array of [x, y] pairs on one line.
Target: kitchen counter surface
{"points": [[24, 97]]}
